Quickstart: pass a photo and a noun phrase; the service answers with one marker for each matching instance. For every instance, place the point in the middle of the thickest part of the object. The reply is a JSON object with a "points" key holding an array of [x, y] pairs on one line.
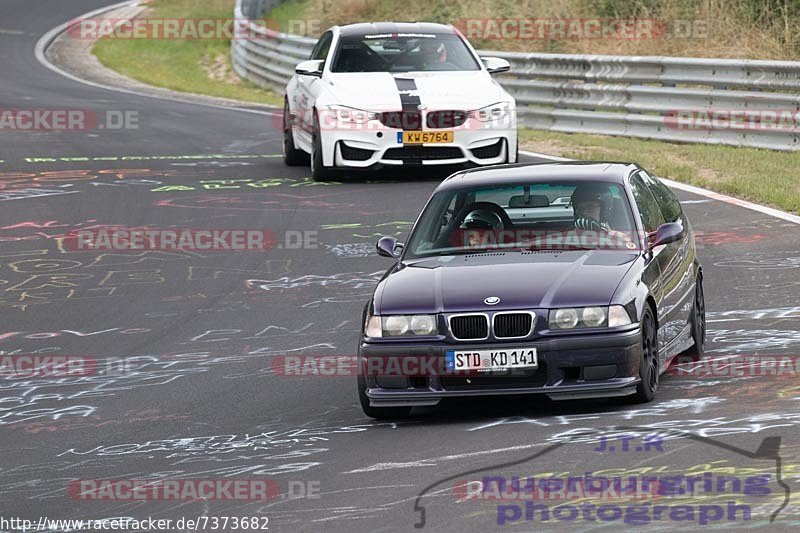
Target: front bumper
{"points": [[379, 146], [596, 366]]}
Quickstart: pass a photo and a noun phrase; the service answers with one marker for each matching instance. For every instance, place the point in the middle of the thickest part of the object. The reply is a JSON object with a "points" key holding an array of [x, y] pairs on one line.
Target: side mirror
{"points": [[312, 67], [389, 247], [667, 233], [496, 65]]}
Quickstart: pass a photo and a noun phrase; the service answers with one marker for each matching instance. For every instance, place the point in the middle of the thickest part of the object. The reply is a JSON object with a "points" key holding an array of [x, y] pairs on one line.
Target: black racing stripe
{"points": [[411, 117], [410, 103], [405, 84]]}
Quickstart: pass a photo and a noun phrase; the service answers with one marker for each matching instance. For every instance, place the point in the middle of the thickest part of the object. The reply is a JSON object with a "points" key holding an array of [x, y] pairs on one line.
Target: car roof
{"points": [[603, 171], [371, 28]]}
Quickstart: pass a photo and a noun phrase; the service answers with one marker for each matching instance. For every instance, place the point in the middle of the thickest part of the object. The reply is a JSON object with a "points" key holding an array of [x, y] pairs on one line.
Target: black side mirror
{"points": [[667, 233], [389, 247]]}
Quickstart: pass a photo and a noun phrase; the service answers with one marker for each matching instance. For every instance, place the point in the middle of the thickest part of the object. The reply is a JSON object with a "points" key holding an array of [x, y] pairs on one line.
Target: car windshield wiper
{"points": [[560, 248], [462, 251]]}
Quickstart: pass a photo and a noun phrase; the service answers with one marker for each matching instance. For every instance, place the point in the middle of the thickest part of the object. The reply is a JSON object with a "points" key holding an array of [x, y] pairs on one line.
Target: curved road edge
{"points": [[114, 81]]}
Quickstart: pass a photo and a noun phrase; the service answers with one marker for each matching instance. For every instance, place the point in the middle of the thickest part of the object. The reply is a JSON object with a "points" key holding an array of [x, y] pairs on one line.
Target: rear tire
{"points": [[649, 365], [380, 413], [292, 157]]}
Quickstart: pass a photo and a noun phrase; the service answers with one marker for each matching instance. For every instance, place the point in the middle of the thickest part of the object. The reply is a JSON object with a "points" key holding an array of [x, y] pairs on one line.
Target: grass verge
{"points": [[763, 176], [201, 66], [757, 29]]}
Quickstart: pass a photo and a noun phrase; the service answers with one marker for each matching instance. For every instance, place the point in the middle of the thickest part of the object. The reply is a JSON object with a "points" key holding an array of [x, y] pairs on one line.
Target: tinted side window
{"points": [[648, 208], [666, 199], [322, 47]]}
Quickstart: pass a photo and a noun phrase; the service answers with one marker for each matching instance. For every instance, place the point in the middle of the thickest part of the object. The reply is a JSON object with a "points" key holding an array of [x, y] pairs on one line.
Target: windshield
{"points": [[562, 215], [402, 52]]}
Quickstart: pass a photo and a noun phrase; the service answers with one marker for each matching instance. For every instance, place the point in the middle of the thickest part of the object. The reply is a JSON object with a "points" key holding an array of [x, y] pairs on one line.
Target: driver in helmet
{"points": [[476, 224]]}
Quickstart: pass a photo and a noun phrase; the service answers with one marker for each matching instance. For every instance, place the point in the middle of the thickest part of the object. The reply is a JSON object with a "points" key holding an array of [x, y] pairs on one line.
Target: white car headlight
{"points": [[351, 115], [495, 111]]}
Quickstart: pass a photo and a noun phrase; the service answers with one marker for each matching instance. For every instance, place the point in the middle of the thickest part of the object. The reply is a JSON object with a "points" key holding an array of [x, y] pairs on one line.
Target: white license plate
{"points": [[498, 359]]}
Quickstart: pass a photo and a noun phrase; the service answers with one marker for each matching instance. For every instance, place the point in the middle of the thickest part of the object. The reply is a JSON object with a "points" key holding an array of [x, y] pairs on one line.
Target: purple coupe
{"points": [[574, 280]]}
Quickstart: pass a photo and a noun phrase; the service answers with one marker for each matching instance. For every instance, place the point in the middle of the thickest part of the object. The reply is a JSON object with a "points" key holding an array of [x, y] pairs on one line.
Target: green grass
{"points": [[178, 64], [286, 14], [763, 176]]}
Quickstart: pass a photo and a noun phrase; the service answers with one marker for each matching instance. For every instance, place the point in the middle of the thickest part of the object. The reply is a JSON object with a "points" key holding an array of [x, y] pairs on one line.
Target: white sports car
{"points": [[410, 94]]}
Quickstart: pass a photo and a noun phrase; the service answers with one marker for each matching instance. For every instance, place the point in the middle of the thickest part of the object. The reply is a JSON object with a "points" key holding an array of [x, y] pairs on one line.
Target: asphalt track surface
{"points": [[201, 400]]}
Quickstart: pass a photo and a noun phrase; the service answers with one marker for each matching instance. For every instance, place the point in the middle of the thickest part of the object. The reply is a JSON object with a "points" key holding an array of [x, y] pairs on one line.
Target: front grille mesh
{"points": [[421, 153], [512, 325], [469, 327]]}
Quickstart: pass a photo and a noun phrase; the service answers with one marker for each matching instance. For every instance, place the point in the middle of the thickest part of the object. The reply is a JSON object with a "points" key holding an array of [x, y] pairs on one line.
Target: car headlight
{"points": [[593, 316], [400, 325], [589, 317], [491, 112], [563, 318], [351, 114], [423, 324]]}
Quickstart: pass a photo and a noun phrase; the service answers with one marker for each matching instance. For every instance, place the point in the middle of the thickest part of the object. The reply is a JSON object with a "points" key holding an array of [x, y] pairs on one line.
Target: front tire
{"points": [[698, 320], [318, 171], [648, 366], [292, 157], [380, 413]]}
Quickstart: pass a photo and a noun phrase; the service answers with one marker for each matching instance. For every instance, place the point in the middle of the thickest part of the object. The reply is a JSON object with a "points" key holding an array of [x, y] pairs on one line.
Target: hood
{"points": [[521, 280], [436, 90]]}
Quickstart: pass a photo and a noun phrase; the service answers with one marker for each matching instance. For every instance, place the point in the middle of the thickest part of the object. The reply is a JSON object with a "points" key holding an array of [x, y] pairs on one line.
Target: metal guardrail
{"points": [[635, 96]]}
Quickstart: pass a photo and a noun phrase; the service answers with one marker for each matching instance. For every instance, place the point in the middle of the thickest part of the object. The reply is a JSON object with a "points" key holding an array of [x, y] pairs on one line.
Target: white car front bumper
{"points": [[375, 144]]}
